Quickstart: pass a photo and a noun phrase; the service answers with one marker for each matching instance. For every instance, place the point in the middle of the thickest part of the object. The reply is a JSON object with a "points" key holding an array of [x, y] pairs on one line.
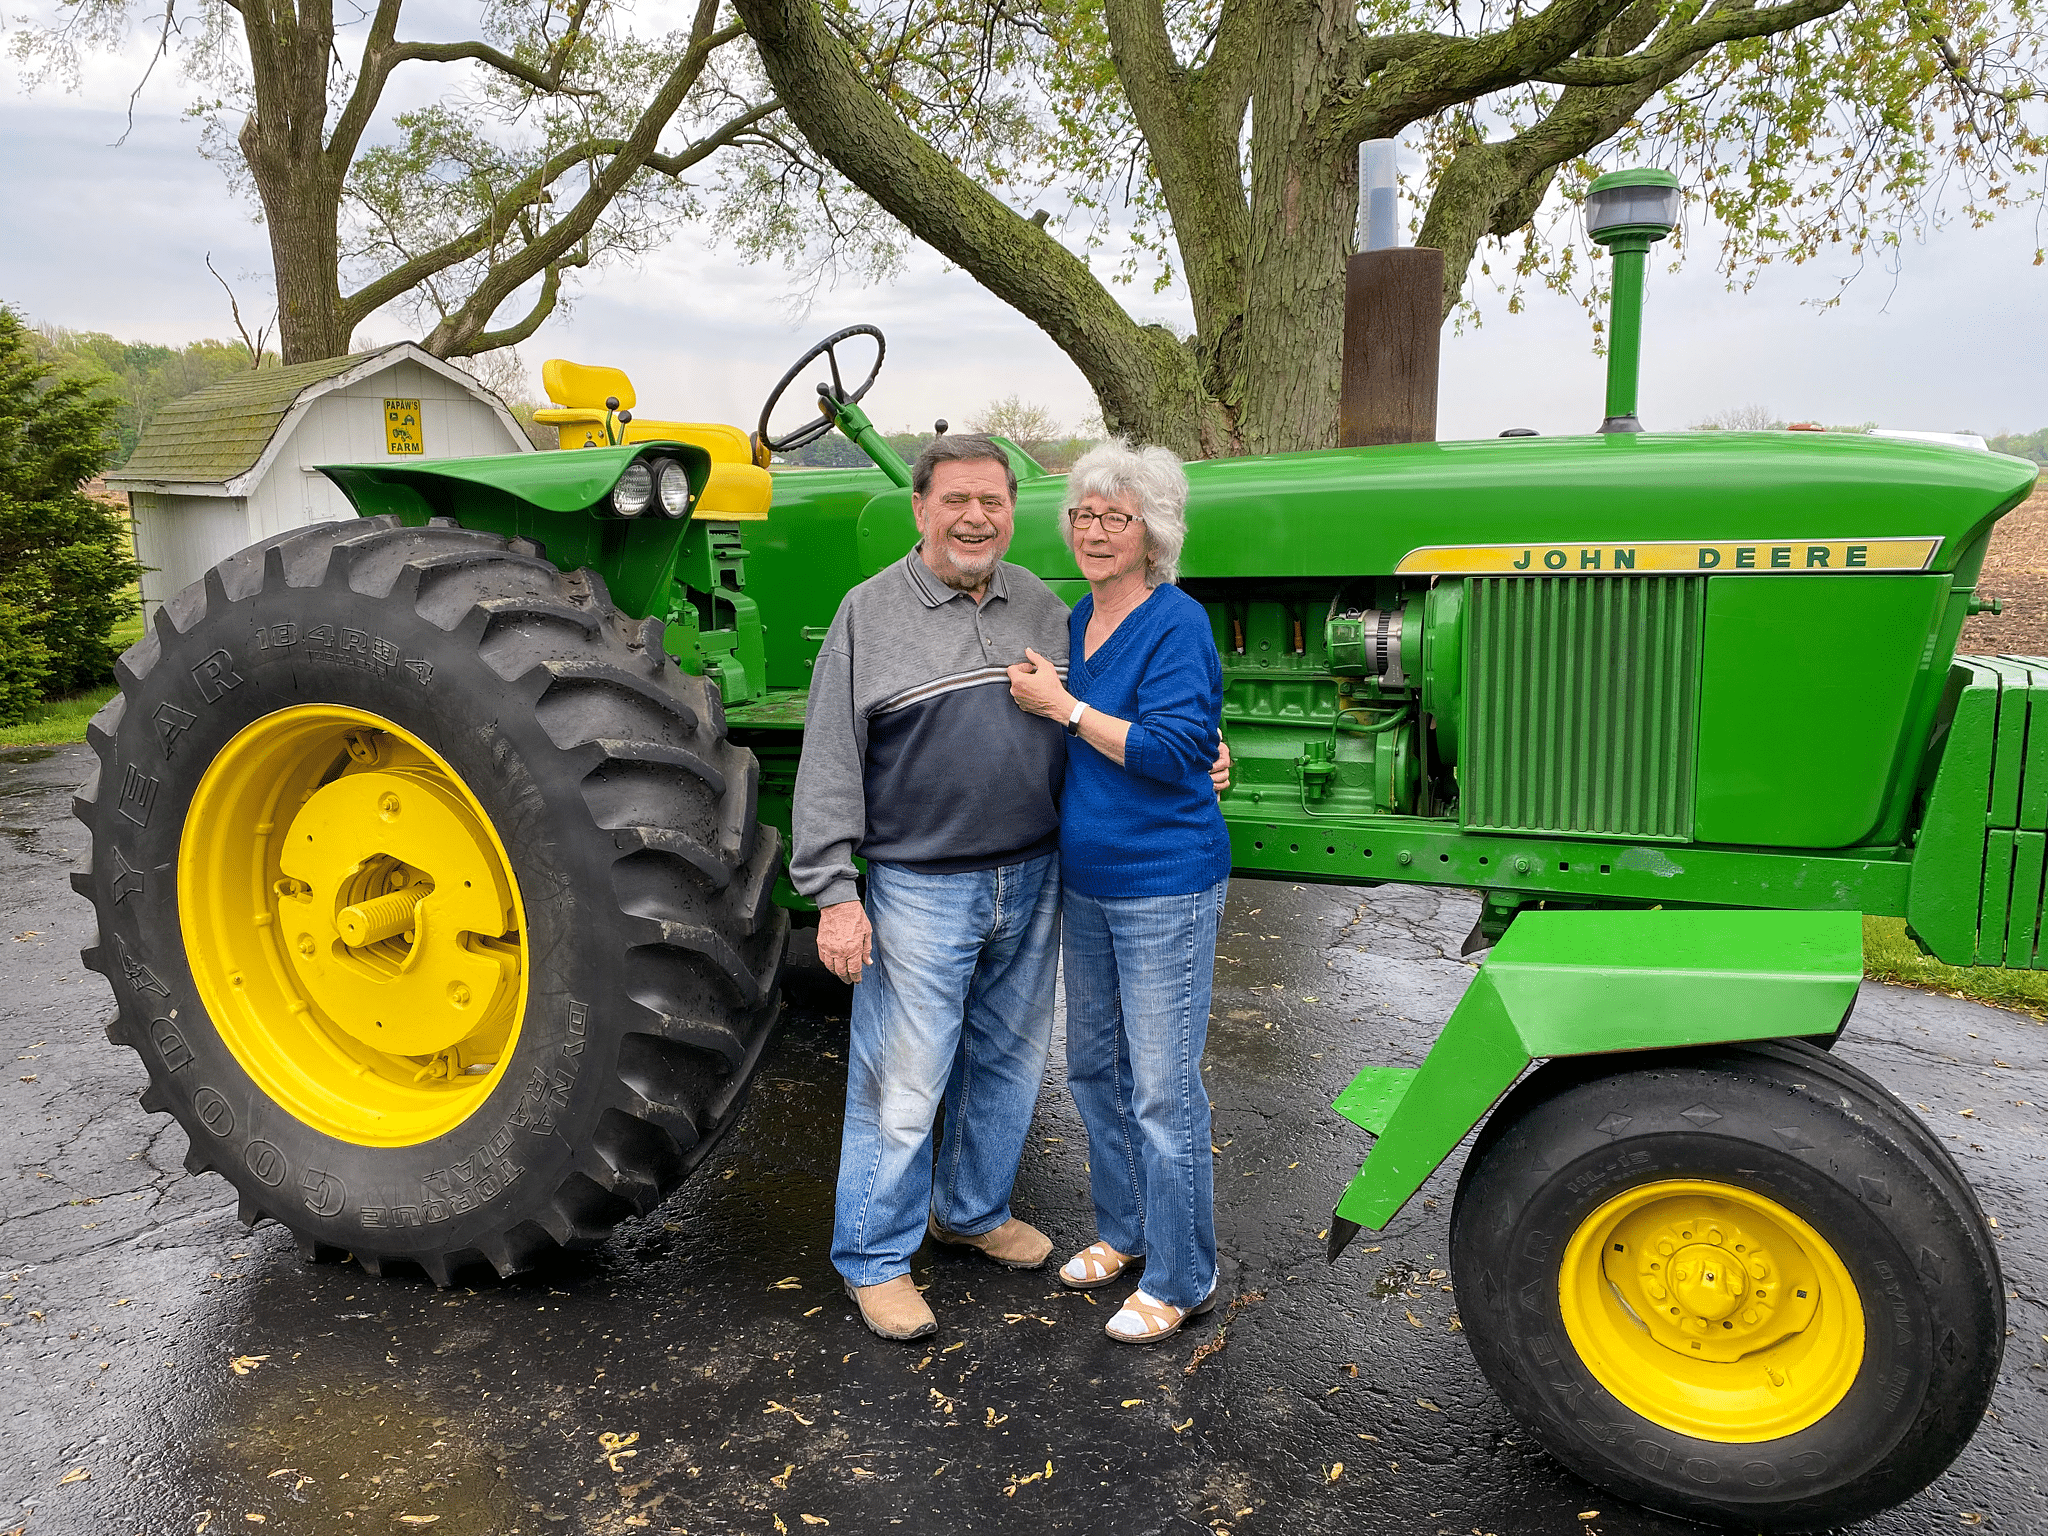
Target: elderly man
{"points": [[915, 757]]}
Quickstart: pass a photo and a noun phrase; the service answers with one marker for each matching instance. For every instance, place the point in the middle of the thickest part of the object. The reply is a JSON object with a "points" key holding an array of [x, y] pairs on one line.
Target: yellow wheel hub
{"points": [[352, 924], [1712, 1310]]}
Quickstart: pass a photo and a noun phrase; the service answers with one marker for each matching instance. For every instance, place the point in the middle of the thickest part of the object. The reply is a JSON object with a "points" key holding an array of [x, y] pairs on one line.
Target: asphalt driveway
{"points": [[162, 1369]]}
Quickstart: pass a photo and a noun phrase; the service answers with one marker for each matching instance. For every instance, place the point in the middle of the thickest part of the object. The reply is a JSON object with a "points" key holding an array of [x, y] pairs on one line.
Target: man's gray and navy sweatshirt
{"points": [[914, 751]]}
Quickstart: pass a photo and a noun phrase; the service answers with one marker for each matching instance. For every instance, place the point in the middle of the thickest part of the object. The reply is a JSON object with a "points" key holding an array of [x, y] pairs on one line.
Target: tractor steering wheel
{"points": [[828, 394]]}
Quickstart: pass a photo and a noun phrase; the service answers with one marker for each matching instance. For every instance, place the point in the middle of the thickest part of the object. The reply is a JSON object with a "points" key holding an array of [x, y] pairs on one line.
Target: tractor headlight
{"points": [[634, 490], [673, 482]]}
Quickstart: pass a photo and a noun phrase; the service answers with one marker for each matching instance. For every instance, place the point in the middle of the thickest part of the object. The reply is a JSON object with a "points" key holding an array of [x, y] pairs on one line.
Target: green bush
{"points": [[67, 562], [24, 667], [67, 572]]}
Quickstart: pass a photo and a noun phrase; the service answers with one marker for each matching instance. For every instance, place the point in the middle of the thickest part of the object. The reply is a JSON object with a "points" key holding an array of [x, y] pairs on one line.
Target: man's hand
{"points": [[1219, 771], [1036, 686], [845, 941]]}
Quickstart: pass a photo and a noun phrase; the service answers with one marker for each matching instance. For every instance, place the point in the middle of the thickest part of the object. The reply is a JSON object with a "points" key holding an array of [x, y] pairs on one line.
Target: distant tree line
{"points": [[2023, 445], [1031, 427], [140, 377]]}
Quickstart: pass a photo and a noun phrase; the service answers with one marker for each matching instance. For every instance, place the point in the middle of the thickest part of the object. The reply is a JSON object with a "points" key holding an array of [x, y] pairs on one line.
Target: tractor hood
{"points": [[1645, 502]]}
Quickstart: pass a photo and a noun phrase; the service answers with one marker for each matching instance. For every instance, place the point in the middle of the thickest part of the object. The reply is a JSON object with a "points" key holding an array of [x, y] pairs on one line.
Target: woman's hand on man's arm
{"points": [[1035, 685]]}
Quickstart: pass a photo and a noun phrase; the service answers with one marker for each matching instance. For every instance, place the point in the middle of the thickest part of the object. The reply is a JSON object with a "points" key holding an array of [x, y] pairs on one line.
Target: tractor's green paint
{"points": [[1809, 683], [1587, 983], [1977, 893], [1678, 706]]}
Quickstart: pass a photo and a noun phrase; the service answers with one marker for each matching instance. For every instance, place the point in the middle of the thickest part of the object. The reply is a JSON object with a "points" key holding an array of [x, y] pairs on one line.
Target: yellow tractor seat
{"points": [[739, 488], [585, 386]]}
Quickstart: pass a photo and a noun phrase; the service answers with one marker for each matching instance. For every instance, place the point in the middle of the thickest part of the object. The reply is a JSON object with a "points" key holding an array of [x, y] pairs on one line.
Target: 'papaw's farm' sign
{"points": [[402, 427]]}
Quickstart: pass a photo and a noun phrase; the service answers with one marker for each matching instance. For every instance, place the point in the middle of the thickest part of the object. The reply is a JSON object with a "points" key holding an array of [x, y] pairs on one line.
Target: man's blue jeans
{"points": [[1139, 971], [958, 1003]]}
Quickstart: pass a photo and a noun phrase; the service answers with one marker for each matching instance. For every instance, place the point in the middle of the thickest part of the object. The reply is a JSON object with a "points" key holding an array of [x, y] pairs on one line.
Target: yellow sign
{"points": [[1670, 558], [402, 432]]}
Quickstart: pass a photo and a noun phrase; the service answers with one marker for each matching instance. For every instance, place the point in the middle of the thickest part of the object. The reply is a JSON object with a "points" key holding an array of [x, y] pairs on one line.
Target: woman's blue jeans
{"points": [[1139, 971], [958, 1004]]}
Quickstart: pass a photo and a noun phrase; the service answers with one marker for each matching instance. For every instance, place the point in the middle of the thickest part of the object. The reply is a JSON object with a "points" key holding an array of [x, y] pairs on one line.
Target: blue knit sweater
{"points": [[1151, 827]]}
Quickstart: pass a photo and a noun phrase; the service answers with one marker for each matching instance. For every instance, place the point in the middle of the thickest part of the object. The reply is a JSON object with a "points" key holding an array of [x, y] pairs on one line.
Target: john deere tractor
{"points": [[437, 861]]}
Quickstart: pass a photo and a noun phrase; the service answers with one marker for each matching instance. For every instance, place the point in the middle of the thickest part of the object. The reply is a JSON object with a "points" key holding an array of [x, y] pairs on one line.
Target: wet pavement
{"points": [[162, 1369]]}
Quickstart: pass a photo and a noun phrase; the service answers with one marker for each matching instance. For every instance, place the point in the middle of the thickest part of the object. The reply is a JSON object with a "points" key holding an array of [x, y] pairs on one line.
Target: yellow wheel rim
{"points": [[353, 925], [1712, 1310]]}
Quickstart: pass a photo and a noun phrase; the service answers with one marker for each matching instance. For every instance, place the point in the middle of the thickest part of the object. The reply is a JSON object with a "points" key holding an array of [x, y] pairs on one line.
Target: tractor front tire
{"points": [[1741, 1284], [431, 895]]}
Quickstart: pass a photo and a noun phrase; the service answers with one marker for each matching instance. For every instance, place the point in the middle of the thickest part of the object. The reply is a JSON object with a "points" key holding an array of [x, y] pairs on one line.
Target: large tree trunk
{"points": [[284, 145], [302, 216], [1304, 201]]}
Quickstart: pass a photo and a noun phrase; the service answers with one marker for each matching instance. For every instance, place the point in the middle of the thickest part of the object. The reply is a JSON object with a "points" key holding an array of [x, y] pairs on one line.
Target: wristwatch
{"points": [[1074, 720]]}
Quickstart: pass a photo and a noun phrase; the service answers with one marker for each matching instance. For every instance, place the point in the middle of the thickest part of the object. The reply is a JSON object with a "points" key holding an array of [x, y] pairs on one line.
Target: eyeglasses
{"points": [[959, 501], [1112, 522]]}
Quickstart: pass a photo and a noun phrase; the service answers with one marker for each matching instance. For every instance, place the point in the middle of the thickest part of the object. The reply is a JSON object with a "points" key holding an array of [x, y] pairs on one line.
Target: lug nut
{"points": [[388, 805], [306, 945], [458, 994]]}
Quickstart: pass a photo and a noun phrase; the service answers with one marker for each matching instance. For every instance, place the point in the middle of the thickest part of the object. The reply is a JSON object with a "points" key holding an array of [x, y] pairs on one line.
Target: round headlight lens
{"points": [[673, 482], [635, 488]]}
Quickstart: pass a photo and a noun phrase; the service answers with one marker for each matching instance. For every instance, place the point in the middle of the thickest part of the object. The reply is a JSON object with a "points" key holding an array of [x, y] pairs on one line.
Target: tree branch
{"points": [[1422, 78], [1192, 121], [547, 82], [456, 332], [1144, 380], [1495, 188], [1692, 42], [512, 335]]}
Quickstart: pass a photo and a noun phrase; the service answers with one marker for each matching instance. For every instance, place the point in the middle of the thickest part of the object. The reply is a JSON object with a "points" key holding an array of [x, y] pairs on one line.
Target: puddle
{"points": [[317, 1456], [27, 754]]}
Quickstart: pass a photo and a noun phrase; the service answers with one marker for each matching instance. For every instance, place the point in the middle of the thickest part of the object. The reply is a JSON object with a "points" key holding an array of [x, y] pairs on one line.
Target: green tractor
{"points": [[437, 859]]}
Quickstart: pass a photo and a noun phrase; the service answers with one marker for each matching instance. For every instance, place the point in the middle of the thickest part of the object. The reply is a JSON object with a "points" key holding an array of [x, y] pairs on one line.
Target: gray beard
{"points": [[961, 578]]}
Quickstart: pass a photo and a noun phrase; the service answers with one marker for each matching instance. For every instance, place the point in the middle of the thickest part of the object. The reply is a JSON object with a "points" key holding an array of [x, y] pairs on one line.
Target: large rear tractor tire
{"points": [[1740, 1284], [431, 894]]}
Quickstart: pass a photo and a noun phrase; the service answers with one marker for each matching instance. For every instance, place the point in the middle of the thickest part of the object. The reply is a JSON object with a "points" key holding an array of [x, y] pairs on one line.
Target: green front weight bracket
{"points": [[1583, 984]]}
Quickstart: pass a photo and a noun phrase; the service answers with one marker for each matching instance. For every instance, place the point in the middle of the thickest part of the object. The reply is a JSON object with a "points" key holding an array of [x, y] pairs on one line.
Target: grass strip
{"points": [[1888, 955], [57, 721]]}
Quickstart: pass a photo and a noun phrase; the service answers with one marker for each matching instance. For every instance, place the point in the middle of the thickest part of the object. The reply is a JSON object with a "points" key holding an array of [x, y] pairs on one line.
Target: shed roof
{"points": [[217, 435]]}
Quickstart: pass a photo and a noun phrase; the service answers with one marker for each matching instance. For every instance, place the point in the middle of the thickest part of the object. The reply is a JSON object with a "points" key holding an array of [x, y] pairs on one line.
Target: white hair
{"points": [[1152, 478]]}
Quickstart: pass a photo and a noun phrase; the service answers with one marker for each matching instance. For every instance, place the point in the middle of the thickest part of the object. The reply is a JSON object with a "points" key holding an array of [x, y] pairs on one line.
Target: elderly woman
{"points": [[1144, 861]]}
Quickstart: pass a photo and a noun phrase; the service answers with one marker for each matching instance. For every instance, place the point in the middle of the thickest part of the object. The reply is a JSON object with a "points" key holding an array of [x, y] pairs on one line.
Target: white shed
{"points": [[226, 466]]}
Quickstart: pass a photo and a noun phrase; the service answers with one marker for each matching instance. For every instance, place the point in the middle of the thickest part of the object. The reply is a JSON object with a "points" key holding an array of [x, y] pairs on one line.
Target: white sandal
{"points": [[1095, 1266], [1147, 1320]]}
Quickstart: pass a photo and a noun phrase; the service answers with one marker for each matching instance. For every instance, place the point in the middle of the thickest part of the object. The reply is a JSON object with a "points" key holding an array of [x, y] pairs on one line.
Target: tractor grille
{"points": [[1581, 704]]}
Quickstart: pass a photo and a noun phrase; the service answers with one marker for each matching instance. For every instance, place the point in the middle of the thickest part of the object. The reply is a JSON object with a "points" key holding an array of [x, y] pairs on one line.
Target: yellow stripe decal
{"points": [[1763, 556]]}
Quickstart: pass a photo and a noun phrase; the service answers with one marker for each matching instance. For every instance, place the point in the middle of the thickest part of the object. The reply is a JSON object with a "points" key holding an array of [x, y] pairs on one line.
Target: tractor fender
{"points": [[1591, 983]]}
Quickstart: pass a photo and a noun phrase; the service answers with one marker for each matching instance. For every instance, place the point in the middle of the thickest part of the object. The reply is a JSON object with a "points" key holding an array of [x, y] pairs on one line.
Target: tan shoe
{"points": [[1016, 1244], [894, 1309]]}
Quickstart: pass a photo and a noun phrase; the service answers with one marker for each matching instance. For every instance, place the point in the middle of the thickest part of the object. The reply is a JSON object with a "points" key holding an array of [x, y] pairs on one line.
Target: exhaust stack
{"points": [[1393, 318]]}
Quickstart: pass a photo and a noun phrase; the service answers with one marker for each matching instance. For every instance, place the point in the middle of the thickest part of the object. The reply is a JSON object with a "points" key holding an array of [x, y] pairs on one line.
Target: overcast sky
{"points": [[113, 239]]}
